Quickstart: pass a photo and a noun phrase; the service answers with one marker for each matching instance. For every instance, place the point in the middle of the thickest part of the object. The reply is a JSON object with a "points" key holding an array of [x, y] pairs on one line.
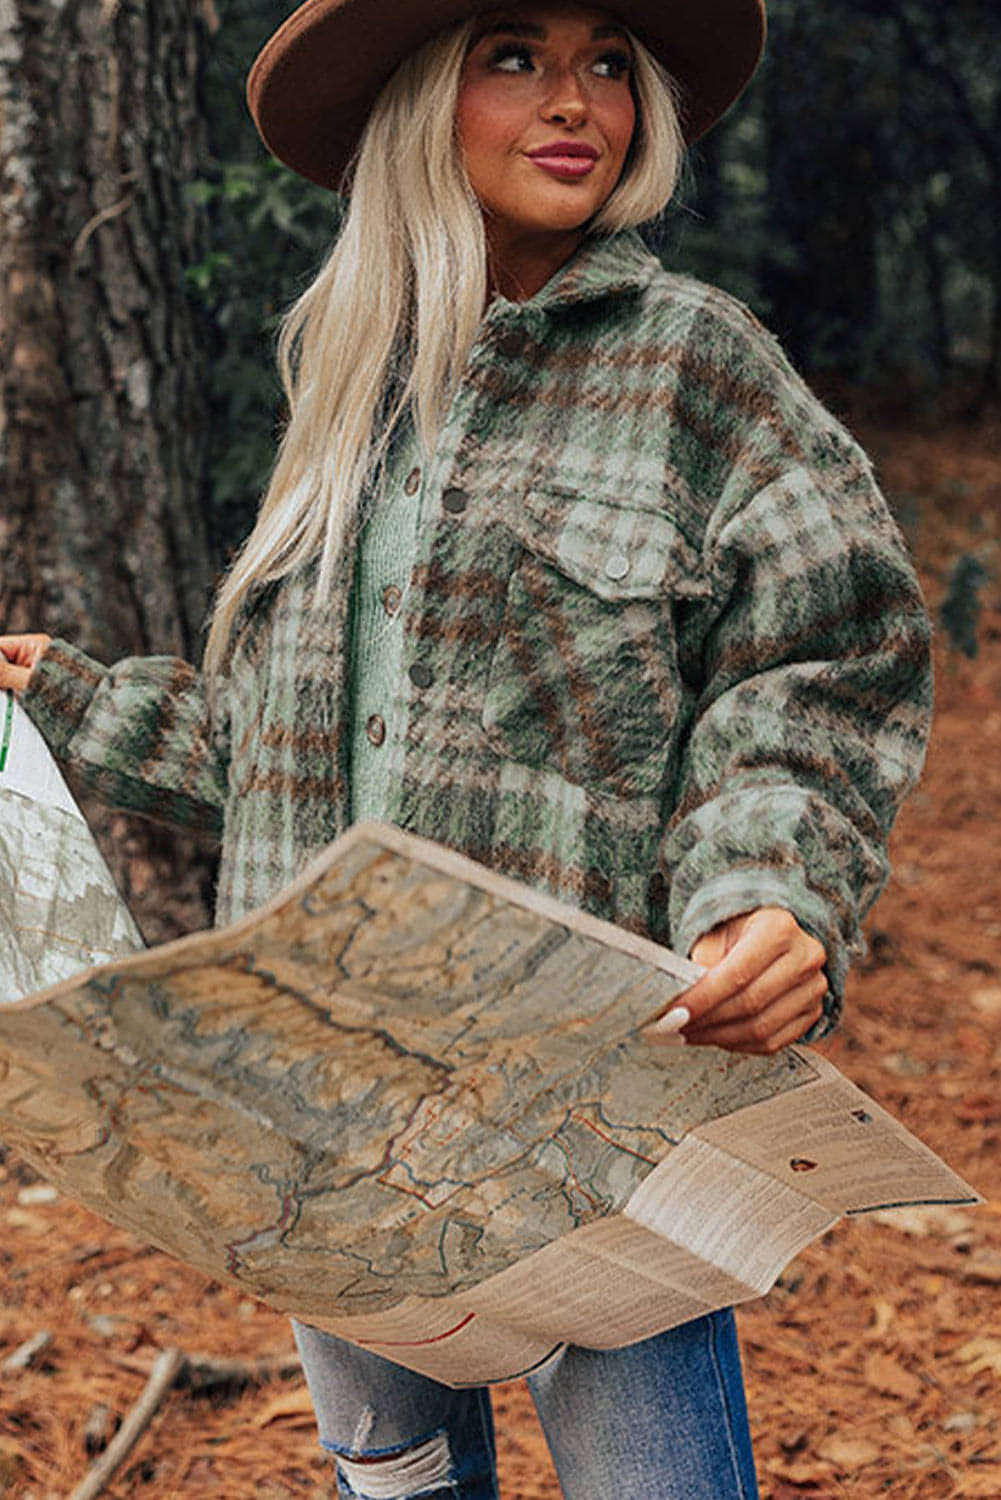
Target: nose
{"points": [[565, 102]]}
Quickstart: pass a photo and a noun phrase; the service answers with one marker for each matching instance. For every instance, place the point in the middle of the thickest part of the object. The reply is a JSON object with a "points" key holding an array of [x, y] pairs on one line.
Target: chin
{"points": [[562, 220]]}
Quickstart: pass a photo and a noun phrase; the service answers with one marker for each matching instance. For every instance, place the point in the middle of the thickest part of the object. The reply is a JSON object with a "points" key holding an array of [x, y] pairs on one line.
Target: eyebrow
{"points": [[538, 33]]}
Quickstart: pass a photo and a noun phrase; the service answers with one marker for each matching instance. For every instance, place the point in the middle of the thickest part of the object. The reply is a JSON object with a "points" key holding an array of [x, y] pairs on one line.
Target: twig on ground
{"points": [[162, 1377], [26, 1353], [195, 1372], [202, 1372]]}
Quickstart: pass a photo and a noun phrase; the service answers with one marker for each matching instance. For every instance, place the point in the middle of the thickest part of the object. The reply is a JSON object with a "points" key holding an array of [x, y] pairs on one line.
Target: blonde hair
{"points": [[389, 321]]}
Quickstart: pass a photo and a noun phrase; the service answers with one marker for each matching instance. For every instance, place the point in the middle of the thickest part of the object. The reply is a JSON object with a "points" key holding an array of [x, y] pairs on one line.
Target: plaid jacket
{"points": [[666, 656]]}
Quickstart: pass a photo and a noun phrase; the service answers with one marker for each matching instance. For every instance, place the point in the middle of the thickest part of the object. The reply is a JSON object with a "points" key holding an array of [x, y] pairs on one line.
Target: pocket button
{"points": [[617, 567]]}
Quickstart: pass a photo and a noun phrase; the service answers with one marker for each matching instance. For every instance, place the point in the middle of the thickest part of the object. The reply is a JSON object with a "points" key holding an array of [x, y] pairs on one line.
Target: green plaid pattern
{"points": [[666, 657]]}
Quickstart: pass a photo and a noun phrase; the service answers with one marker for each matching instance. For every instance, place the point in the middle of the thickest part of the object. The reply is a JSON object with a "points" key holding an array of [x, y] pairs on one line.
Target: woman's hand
{"points": [[764, 987], [20, 656]]}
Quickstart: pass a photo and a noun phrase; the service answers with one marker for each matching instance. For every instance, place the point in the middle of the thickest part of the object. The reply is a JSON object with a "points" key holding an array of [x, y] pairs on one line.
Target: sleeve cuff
{"points": [[737, 891], [60, 692]]}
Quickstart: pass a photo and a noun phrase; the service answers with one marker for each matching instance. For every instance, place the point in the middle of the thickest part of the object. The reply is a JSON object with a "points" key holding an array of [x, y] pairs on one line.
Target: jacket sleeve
{"points": [[816, 696], [139, 734]]}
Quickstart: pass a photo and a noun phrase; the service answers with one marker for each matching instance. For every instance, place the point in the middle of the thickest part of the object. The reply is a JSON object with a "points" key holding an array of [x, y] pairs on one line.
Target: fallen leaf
{"points": [[293, 1406], [22, 1218], [987, 1000], [884, 1315], [979, 1109], [940, 1222], [886, 1375], [903, 1065], [848, 1454], [981, 1354], [981, 1483], [985, 1267], [38, 1192], [961, 1421], [802, 1471]]}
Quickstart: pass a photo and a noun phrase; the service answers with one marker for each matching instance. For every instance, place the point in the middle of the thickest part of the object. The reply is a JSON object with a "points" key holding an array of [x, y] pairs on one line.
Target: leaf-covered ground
{"points": [[873, 1368]]}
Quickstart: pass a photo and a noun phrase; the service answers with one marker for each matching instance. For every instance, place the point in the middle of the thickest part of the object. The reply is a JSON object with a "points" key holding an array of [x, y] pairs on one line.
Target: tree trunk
{"points": [[102, 361], [102, 431], [820, 273]]}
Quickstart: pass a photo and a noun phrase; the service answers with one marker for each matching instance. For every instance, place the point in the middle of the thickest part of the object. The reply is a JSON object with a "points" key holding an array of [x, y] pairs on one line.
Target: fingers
{"points": [[763, 952], [765, 1031], [764, 986], [19, 656], [14, 679]]}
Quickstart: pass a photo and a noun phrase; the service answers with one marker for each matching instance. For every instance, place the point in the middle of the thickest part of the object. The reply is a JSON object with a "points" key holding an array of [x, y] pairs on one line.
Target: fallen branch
{"points": [[27, 1353], [195, 1372], [164, 1373], [201, 1372]]}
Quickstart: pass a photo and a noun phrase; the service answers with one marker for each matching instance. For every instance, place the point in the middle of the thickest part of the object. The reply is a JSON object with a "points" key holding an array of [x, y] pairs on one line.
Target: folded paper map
{"points": [[411, 1102]]}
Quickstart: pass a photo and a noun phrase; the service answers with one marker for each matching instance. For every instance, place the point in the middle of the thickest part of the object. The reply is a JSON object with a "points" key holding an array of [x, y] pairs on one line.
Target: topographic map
{"points": [[59, 909], [411, 1102]]}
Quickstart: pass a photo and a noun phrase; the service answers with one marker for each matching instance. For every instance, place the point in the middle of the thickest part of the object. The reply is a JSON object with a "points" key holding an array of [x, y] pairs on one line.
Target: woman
{"points": [[562, 565]]}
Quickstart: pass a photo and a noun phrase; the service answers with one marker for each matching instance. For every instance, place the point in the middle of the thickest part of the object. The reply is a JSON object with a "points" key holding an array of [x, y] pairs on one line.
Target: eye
{"points": [[511, 57], [613, 65]]}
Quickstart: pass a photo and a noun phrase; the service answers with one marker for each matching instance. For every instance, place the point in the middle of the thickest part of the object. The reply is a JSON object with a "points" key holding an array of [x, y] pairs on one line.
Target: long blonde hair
{"points": [[388, 323]]}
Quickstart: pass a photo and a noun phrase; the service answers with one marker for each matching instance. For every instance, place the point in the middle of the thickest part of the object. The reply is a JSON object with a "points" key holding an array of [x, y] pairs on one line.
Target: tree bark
{"points": [[102, 428], [103, 420]]}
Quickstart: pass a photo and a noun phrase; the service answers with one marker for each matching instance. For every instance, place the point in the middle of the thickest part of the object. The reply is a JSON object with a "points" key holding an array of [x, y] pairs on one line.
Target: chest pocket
{"points": [[584, 678]]}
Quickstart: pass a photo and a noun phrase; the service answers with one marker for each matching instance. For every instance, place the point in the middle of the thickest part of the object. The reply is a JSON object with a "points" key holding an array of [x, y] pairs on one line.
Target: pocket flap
{"points": [[616, 550]]}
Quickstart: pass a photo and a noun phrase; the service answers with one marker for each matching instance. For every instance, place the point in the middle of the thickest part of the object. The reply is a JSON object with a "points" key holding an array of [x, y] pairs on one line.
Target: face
{"points": [[546, 116]]}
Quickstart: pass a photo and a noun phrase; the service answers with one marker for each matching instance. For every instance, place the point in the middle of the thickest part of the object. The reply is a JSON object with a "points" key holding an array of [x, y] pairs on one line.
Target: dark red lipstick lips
{"points": [[564, 149]]}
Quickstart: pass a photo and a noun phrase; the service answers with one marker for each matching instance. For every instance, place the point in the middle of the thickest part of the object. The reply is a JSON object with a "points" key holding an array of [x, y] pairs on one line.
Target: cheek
{"points": [[620, 126], [481, 124]]}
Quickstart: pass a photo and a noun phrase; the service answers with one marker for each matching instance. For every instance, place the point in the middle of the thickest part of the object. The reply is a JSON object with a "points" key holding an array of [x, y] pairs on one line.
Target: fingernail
{"points": [[675, 1020]]}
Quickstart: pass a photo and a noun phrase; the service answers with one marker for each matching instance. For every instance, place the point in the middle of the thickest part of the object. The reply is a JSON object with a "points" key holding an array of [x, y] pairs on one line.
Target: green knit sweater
{"points": [[664, 653], [386, 547]]}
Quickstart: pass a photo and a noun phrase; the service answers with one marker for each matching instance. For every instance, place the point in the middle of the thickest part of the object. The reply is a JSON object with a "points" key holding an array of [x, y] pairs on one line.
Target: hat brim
{"points": [[315, 81]]}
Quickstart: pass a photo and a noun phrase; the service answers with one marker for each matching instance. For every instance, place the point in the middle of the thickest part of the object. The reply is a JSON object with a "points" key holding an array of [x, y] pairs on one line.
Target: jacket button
{"points": [[376, 730], [455, 501], [392, 598], [617, 566], [421, 676], [412, 483]]}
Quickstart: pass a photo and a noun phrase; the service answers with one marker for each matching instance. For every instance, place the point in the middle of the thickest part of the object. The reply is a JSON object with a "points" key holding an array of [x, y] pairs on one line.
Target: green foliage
{"points": [[269, 232]]}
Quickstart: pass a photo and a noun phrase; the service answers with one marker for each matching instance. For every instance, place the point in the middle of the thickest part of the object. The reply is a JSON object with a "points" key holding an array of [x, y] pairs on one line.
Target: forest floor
{"points": [[874, 1366]]}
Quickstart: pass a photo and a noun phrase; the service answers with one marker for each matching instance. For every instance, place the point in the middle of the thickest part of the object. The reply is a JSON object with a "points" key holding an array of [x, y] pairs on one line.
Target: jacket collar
{"points": [[605, 266]]}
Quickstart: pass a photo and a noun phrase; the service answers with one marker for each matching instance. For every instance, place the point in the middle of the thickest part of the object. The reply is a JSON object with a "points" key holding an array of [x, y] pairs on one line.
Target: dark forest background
{"points": [[853, 198]]}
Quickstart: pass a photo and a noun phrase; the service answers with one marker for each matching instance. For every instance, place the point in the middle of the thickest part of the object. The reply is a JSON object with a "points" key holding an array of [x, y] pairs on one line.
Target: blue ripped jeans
{"points": [[662, 1420]]}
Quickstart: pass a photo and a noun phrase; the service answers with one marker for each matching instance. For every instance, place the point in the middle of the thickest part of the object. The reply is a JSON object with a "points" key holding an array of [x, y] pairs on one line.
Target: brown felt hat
{"points": [[315, 81]]}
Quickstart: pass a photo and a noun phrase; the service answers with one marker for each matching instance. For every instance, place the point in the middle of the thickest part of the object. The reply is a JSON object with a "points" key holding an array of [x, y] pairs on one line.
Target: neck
{"points": [[518, 267]]}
